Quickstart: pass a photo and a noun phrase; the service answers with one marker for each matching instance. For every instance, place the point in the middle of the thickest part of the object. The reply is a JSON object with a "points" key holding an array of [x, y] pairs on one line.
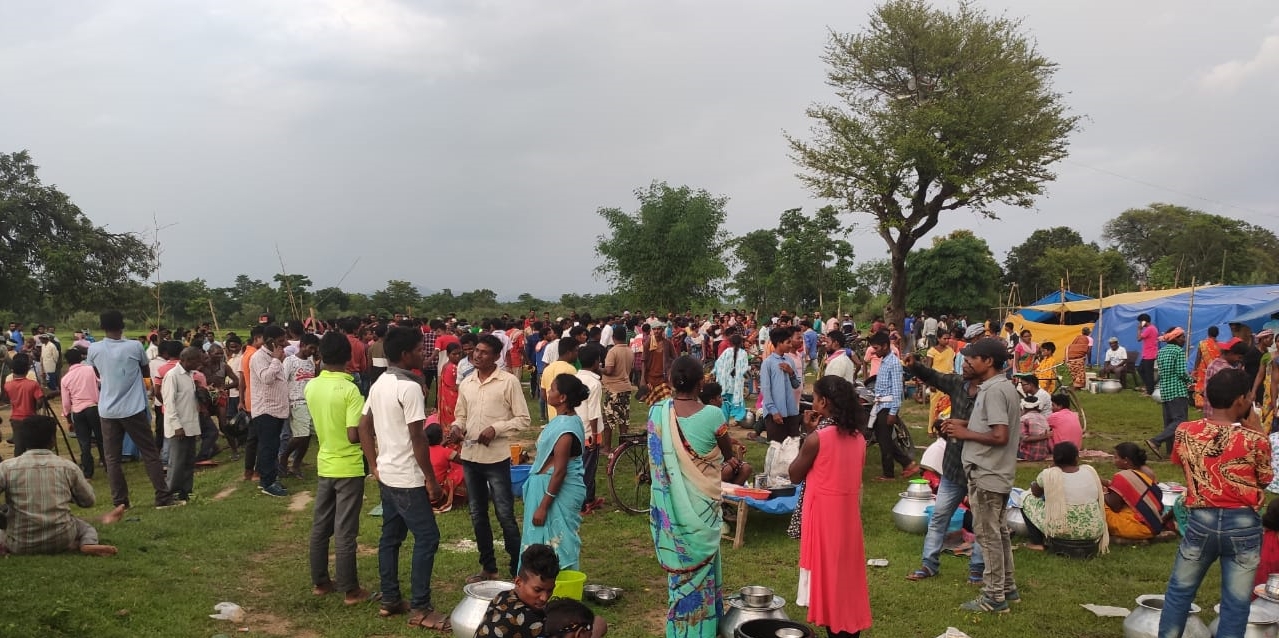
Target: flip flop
{"points": [[394, 609], [367, 597], [1154, 448], [921, 574]]}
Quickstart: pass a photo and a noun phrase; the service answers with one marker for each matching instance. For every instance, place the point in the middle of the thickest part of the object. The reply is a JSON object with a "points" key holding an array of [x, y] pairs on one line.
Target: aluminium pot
{"points": [[737, 612], [1143, 622], [1262, 622], [469, 613], [910, 514]]}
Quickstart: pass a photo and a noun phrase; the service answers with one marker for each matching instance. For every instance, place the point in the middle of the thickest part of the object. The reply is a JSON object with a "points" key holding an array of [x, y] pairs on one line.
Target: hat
{"points": [[1172, 334], [1226, 345], [974, 331], [1114, 340], [991, 348], [1030, 403]]}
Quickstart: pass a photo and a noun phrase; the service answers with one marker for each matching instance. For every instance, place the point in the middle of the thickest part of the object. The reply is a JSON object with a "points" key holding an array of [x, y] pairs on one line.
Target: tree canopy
{"points": [[938, 111], [799, 264], [1053, 256], [1169, 246], [54, 259], [957, 274], [670, 252]]}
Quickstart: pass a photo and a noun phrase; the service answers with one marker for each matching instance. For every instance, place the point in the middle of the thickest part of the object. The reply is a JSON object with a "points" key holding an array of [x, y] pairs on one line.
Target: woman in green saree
{"points": [[556, 488], [687, 444]]}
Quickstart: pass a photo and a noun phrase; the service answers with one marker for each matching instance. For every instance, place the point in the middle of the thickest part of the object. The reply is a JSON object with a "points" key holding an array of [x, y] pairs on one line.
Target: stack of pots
{"points": [[754, 602]]}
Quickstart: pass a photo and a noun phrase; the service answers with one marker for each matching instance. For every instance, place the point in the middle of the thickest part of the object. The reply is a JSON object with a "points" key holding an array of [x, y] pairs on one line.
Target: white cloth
{"points": [[1116, 356], [592, 411], [841, 365], [551, 352]]}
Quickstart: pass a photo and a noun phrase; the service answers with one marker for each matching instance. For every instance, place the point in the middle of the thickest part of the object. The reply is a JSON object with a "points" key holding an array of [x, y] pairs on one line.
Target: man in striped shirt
{"points": [[889, 386]]}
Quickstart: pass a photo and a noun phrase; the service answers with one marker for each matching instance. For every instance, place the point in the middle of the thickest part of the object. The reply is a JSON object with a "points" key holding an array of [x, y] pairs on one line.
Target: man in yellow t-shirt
{"points": [[564, 365]]}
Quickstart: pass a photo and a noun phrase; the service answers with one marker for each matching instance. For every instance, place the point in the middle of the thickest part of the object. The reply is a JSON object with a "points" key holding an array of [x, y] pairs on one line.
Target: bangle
{"points": [[552, 495]]}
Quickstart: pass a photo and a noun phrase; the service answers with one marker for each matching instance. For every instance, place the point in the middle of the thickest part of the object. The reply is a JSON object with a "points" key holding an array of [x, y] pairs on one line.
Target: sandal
{"points": [[921, 573], [360, 596], [975, 578], [430, 619], [393, 609], [482, 576]]}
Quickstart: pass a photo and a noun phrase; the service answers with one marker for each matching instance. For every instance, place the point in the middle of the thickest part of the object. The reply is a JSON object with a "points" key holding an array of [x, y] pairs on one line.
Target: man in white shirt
{"points": [[841, 361], [394, 444], [182, 421], [591, 358], [1115, 361], [498, 329]]}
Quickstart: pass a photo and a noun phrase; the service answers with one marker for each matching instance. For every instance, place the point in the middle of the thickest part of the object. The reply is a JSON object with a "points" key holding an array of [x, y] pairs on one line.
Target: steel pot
{"points": [[910, 514], [1143, 622], [469, 613], [1170, 493], [772, 628], [1109, 386], [1262, 622], [737, 612]]}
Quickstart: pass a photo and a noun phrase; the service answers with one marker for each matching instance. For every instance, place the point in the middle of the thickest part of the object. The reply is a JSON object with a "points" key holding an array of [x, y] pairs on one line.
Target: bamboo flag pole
{"points": [[1096, 327], [216, 329], [1190, 319]]}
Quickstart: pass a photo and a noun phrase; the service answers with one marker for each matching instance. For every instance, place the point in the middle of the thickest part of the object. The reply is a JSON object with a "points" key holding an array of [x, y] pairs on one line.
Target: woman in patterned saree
{"points": [[1134, 501], [1067, 502], [687, 444], [556, 489]]}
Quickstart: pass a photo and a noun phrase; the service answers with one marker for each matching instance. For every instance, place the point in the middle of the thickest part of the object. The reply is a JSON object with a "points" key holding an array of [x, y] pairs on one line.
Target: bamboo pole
{"points": [[216, 328], [1190, 320], [1096, 326]]}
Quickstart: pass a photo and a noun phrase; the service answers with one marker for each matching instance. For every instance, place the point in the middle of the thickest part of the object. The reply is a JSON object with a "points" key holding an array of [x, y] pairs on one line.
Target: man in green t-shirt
{"points": [[335, 405]]}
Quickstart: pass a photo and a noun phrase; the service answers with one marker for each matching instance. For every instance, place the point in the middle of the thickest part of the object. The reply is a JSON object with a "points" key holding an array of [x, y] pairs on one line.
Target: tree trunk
{"points": [[898, 249]]}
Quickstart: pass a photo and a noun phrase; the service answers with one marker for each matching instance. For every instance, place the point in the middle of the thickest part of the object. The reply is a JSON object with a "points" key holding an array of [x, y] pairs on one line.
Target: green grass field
{"points": [[234, 544]]}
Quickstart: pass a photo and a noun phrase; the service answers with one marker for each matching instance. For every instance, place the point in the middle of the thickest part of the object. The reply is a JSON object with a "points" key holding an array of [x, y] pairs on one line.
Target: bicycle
{"points": [[629, 480]]}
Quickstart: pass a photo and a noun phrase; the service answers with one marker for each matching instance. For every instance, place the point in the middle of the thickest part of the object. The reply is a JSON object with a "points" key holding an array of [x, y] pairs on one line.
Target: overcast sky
{"points": [[469, 144]]}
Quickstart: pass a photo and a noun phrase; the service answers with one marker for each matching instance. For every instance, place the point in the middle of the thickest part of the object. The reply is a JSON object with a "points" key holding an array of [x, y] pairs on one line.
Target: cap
{"points": [[990, 348], [1114, 340], [974, 331], [1226, 345], [1030, 403]]}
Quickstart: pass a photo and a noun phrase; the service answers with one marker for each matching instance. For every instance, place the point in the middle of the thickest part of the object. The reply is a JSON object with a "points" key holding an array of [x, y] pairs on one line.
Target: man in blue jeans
{"points": [[269, 402], [1227, 459], [395, 446], [954, 483], [490, 407]]}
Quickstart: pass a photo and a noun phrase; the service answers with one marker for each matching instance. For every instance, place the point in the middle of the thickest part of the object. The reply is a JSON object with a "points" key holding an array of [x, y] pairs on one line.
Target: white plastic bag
{"points": [[778, 459], [228, 611]]}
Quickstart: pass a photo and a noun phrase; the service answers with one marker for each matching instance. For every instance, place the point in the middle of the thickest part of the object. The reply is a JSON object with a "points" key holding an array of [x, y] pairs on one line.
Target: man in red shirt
{"points": [[358, 366], [25, 395], [1226, 460]]}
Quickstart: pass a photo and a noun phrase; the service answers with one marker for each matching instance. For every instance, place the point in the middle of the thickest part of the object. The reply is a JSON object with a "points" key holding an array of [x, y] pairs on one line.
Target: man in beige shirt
{"points": [[617, 386], [490, 406]]}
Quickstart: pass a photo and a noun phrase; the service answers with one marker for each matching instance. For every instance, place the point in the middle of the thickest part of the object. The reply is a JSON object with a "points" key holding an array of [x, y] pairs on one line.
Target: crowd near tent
{"points": [[1192, 309]]}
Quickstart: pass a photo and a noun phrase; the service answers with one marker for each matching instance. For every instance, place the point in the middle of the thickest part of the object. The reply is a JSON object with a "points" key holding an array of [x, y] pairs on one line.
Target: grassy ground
{"points": [[234, 544]]}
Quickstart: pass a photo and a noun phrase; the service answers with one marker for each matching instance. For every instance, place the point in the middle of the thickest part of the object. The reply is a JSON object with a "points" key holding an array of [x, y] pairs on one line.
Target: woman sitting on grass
{"points": [[1134, 502], [446, 465], [1067, 502]]}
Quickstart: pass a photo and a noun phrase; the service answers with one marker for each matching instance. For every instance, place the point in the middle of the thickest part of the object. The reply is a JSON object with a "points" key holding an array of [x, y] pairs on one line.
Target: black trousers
{"points": [[889, 453], [1147, 371]]}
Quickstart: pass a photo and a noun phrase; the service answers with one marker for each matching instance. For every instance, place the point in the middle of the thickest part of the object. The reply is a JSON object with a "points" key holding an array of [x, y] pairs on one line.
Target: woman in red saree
{"points": [[448, 387], [1134, 502]]}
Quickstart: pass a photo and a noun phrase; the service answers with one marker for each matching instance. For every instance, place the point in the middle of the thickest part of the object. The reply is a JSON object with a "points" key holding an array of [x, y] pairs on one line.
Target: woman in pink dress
{"points": [[832, 555]]}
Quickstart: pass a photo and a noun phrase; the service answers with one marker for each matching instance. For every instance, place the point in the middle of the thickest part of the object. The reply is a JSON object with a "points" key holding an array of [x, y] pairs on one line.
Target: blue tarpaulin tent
{"points": [[1042, 316], [1212, 306]]}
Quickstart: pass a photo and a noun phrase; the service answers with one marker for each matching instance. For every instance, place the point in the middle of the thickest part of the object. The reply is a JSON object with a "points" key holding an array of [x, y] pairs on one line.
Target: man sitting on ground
{"points": [[39, 487], [1116, 361]]}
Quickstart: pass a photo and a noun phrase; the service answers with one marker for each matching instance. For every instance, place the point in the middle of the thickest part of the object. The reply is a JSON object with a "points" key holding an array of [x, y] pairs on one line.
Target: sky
{"points": [[469, 145]]}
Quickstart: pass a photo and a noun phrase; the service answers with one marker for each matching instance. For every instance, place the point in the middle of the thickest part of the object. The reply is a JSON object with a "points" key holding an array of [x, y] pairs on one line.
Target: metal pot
{"points": [[469, 613], [1109, 386], [773, 628], [736, 612], [1143, 622], [1262, 622], [757, 596], [1016, 521], [910, 514], [919, 488], [1170, 493]]}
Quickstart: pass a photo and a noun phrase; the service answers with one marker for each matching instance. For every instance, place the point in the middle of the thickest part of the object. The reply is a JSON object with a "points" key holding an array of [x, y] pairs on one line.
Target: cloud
{"points": [[1230, 76]]}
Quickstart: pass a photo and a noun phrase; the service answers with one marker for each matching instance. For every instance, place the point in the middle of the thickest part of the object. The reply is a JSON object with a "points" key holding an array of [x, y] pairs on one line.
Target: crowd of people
{"points": [[361, 391]]}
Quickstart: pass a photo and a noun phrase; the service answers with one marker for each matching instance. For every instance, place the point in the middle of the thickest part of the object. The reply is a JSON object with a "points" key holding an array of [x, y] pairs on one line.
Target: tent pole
{"points": [[1190, 318], [1061, 316], [1096, 327]]}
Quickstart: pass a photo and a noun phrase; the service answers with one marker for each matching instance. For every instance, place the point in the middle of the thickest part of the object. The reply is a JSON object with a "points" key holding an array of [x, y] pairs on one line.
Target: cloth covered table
{"points": [[776, 506]]}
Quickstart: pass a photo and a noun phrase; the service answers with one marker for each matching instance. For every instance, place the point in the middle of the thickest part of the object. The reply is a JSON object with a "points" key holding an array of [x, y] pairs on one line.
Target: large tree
{"points": [[956, 275], [816, 258], [52, 258], [756, 256], [669, 253], [938, 111], [1169, 245], [1020, 263]]}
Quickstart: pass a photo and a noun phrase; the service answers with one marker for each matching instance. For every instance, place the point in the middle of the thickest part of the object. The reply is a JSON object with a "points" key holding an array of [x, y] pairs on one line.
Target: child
{"points": [[521, 612], [1035, 433], [445, 462], [735, 470], [567, 618], [1269, 543]]}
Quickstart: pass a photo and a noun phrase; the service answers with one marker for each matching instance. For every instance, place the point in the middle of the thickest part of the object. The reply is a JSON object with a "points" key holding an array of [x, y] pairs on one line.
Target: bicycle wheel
{"points": [[628, 477], [901, 434]]}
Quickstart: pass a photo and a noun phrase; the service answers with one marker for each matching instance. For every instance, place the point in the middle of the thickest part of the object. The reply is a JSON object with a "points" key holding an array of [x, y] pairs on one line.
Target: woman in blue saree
{"points": [[687, 443], [730, 371], [555, 489]]}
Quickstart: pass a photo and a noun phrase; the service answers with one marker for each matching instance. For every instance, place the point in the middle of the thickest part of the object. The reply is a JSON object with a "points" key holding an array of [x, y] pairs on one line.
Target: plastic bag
{"points": [[778, 459], [228, 611]]}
